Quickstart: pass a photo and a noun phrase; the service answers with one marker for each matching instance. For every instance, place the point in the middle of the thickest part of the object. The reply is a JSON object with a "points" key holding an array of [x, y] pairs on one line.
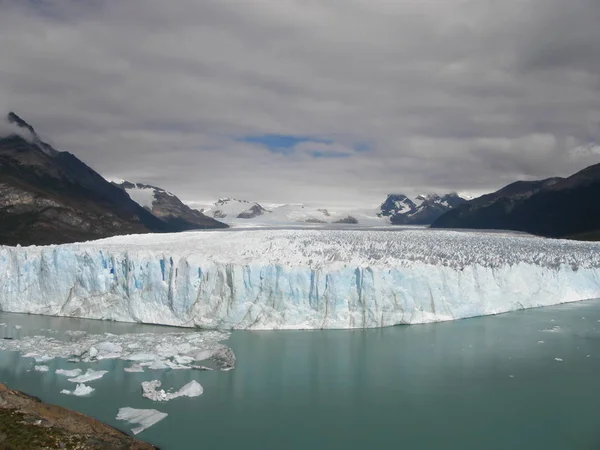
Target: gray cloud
{"points": [[443, 94]]}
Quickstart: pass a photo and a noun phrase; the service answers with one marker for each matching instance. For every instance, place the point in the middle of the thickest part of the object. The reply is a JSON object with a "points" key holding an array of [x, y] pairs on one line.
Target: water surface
{"points": [[484, 383]]}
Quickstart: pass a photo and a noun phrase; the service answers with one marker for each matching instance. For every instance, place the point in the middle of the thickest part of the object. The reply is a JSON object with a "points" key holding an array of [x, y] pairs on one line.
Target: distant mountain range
{"points": [[248, 213], [51, 197], [420, 210], [554, 207]]}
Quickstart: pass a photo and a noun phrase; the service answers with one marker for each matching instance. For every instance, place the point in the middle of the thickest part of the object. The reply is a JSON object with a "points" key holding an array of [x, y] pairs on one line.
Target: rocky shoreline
{"points": [[28, 423]]}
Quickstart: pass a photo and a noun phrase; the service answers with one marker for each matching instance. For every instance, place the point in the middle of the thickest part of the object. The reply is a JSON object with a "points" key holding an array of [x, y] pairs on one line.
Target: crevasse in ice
{"points": [[293, 279]]}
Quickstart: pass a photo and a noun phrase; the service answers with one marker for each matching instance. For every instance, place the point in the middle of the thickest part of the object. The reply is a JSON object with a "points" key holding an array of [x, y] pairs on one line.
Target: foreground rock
{"points": [[26, 422]]}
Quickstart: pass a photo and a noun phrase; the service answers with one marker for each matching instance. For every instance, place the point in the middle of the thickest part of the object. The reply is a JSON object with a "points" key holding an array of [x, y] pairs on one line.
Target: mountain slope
{"points": [[422, 210], [51, 197], [555, 207], [168, 207]]}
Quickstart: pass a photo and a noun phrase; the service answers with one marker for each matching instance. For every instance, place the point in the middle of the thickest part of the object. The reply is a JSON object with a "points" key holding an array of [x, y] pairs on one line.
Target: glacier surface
{"points": [[297, 279]]}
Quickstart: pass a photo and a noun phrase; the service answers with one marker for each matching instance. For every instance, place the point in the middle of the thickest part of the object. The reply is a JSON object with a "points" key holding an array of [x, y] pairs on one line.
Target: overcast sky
{"points": [[330, 102]]}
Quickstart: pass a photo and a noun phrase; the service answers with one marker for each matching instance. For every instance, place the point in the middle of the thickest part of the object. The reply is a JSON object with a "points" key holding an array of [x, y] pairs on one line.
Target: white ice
{"points": [[80, 391], [68, 373], [90, 375], [297, 279], [158, 350], [41, 368], [143, 417], [134, 368], [151, 390]]}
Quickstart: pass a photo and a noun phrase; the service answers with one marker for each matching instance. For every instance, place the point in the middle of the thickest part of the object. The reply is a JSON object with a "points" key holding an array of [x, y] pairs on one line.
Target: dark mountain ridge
{"points": [[554, 207], [51, 197]]}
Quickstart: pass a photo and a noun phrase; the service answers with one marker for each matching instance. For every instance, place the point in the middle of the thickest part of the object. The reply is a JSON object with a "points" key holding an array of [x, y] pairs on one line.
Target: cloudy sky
{"points": [[331, 102]]}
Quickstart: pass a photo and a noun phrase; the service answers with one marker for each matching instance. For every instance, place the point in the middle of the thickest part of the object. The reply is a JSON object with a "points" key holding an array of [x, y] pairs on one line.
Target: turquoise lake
{"points": [[522, 380]]}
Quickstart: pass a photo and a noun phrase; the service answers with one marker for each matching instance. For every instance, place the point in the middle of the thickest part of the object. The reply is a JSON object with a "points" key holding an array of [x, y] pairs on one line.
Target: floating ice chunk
{"points": [[200, 367], [183, 359], [150, 390], [555, 329], [134, 368], [191, 389], [178, 348], [173, 366], [143, 417], [558, 359], [18, 327], [158, 365], [80, 391], [41, 368], [90, 375], [2, 324], [540, 342], [68, 373]]}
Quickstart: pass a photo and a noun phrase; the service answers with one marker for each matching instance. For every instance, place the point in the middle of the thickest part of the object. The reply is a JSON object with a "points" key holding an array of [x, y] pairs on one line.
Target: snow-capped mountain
{"points": [[247, 213], [166, 206], [232, 208], [420, 210]]}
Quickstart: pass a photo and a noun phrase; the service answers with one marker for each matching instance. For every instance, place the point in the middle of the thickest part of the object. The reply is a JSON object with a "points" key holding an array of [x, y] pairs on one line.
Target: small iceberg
{"points": [[150, 390], [41, 368], [80, 391], [135, 368], [143, 417], [68, 373], [90, 375]]}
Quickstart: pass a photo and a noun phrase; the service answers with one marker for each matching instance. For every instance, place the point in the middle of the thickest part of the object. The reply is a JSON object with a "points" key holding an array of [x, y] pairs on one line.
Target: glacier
{"points": [[297, 279]]}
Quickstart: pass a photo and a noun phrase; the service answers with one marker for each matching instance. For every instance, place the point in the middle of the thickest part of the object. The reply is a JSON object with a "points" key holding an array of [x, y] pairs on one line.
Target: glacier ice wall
{"points": [[295, 279]]}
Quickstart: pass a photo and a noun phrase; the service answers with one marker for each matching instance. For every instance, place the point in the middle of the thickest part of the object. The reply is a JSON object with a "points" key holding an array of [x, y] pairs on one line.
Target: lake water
{"points": [[483, 383]]}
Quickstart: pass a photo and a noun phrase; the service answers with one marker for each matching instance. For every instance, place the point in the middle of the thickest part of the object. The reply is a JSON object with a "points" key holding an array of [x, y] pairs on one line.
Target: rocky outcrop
{"points": [[26, 422]]}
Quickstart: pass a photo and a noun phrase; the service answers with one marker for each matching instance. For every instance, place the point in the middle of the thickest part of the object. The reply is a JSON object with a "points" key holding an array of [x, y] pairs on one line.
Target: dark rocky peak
{"points": [[16, 120], [395, 203], [254, 211]]}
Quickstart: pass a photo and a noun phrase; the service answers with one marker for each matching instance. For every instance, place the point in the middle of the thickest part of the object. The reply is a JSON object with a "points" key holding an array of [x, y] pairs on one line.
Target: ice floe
{"points": [[143, 417], [41, 368], [158, 351], [90, 375], [80, 391], [134, 368], [68, 373], [151, 390]]}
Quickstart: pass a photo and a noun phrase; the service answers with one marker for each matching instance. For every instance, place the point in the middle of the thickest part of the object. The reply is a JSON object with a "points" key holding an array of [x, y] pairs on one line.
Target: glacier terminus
{"points": [[297, 279]]}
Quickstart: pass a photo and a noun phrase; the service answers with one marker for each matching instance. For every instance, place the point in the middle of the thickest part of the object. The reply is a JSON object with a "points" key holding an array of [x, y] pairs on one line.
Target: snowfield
{"points": [[297, 279]]}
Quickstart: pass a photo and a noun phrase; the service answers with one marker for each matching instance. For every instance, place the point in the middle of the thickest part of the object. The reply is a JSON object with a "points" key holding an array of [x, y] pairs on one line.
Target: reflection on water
{"points": [[485, 383]]}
